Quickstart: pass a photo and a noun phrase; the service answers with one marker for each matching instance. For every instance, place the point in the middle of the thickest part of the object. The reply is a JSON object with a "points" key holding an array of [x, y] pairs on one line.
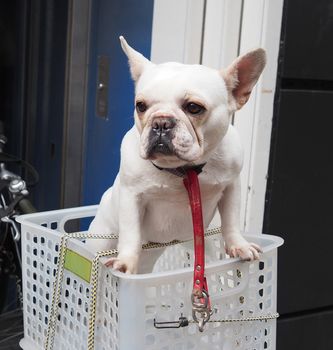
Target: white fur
{"points": [[149, 205]]}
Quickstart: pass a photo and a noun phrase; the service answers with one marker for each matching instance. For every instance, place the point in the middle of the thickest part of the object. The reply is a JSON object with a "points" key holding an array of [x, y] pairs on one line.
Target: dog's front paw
{"points": [[124, 263], [240, 248]]}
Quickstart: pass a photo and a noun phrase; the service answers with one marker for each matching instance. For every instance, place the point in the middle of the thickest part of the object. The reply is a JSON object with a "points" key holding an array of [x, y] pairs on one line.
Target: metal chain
{"points": [[93, 294], [56, 293], [94, 285], [244, 319], [51, 329]]}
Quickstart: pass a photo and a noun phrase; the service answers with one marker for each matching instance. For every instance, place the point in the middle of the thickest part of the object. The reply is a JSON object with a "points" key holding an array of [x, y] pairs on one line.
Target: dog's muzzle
{"points": [[161, 135]]}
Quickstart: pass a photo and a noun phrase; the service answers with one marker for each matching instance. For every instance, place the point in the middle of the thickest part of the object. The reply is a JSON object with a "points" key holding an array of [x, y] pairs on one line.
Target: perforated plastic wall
{"points": [[128, 304]]}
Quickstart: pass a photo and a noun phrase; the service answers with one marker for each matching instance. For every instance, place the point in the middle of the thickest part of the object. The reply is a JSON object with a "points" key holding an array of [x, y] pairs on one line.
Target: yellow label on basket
{"points": [[78, 264]]}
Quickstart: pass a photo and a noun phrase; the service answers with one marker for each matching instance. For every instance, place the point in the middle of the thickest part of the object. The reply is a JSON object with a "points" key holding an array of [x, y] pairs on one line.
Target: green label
{"points": [[78, 264]]}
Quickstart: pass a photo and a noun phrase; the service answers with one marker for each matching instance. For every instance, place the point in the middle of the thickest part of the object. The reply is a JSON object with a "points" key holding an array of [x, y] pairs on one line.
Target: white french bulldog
{"points": [[182, 119]]}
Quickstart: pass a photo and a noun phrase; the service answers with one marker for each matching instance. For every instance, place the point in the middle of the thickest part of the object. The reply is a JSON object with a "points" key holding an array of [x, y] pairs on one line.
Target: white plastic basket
{"points": [[128, 304]]}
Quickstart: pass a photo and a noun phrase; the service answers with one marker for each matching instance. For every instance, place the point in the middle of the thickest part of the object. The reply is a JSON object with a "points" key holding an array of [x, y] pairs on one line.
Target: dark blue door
{"points": [[111, 18]]}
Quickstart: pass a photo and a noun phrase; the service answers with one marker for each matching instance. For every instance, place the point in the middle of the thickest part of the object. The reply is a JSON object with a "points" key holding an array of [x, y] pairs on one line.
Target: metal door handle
{"points": [[102, 86]]}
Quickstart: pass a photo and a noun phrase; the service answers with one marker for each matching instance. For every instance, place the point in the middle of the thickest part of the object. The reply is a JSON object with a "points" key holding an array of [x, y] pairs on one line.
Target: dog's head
{"points": [[183, 111]]}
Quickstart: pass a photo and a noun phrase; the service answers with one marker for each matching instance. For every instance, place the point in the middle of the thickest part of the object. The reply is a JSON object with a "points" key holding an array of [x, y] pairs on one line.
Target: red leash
{"points": [[201, 308]]}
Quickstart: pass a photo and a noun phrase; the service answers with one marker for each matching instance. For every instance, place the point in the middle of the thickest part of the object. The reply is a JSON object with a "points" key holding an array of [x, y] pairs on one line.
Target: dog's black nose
{"points": [[163, 125]]}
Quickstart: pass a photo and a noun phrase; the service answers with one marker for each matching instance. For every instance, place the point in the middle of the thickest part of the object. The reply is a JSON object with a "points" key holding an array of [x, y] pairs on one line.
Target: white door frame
{"points": [[214, 32], [177, 31], [261, 27]]}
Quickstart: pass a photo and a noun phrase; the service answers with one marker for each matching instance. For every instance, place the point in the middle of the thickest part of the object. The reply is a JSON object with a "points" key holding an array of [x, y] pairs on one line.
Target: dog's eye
{"points": [[194, 108], [141, 107]]}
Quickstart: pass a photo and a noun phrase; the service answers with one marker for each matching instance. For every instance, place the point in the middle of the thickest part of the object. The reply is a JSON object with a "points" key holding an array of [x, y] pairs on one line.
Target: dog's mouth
{"points": [[160, 141], [169, 139], [160, 146], [161, 134]]}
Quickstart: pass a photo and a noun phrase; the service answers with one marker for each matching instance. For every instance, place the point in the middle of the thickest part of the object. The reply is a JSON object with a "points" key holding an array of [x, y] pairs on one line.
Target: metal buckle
{"points": [[182, 322], [200, 310]]}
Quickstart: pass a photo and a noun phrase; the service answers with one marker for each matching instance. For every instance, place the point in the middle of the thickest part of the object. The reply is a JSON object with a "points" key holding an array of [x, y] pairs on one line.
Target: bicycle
{"points": [[13, 202]]}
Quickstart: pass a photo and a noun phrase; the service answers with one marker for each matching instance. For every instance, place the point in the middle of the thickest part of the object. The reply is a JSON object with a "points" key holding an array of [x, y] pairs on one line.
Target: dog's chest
{"points": [[167, 209]]}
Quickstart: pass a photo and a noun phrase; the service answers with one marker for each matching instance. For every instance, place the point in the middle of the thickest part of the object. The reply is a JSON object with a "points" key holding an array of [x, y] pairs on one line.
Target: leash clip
{"points": [[200, 309]]}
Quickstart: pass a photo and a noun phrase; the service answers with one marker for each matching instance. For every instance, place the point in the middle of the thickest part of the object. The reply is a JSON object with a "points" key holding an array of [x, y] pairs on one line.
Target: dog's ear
{"points": [[136, 60], [241, 76]]}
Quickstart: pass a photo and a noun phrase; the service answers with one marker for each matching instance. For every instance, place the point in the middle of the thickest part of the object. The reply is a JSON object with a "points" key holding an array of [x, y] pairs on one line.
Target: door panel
{"points": [[308, 40], [44, 97], [104, 133], [306, 332], [300, 195]]}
